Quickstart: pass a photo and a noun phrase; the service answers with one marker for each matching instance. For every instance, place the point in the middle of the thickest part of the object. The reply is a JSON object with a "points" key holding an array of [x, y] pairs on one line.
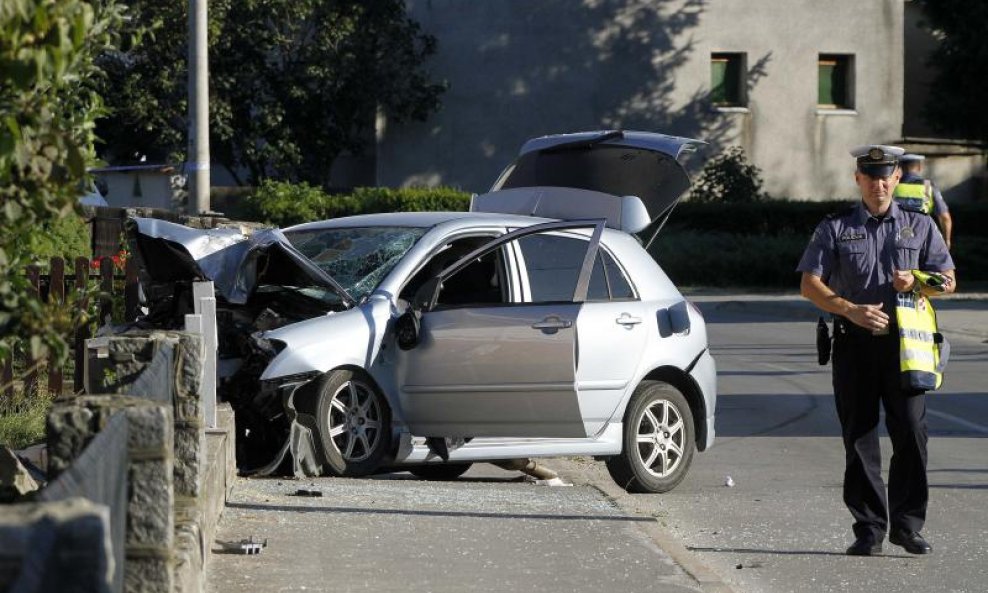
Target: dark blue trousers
{"points": [[866, 376]]}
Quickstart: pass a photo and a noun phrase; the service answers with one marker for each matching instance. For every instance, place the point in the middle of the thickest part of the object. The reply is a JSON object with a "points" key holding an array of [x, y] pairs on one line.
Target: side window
{"points": [[479, 283], [597, 291], [620, 288], [553, 263]]}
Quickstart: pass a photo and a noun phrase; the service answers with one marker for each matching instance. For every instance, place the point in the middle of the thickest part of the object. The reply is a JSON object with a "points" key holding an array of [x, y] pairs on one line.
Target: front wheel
{"points": [[658, 440], [354, 423]]}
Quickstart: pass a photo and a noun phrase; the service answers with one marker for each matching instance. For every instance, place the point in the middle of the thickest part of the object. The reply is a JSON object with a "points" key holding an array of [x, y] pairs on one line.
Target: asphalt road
{"points": [[781, 528]]}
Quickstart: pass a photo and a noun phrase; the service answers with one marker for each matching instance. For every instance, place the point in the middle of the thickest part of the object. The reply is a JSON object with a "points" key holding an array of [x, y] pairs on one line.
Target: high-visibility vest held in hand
{"points": [[923, 351], [915, 196]]}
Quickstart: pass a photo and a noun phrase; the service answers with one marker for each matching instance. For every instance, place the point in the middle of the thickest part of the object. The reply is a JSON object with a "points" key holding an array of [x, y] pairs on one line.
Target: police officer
{"points": [[854, 264], [917, 193]]}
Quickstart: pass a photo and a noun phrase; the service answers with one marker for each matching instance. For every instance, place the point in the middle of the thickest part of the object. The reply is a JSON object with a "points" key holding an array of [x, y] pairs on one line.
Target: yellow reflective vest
{"points": [[915, 196], [923, 351]]}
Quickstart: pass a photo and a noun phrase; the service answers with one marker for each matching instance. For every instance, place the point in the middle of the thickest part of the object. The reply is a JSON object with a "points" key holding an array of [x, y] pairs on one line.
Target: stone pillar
{"points": [[166, 367], [150, 533], [52, 547]]}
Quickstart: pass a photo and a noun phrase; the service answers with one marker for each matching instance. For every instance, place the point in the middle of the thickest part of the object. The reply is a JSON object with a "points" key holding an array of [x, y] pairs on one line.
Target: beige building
{"points": [[795, 82]]}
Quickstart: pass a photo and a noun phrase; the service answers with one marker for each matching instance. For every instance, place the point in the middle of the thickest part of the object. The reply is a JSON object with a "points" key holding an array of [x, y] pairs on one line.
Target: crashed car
{"points": [[534, 325]]}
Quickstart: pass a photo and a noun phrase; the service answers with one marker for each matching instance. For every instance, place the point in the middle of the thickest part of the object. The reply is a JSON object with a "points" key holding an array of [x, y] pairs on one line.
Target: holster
{"points": [[823, 343]]}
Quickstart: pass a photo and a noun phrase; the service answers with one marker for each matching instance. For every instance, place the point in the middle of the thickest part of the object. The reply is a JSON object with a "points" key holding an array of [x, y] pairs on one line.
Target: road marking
{"points": [[966, 423]]}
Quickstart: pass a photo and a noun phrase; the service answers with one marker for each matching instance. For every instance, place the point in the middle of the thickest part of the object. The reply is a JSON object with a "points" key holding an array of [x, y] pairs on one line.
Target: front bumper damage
{"points": [[255, 276]]}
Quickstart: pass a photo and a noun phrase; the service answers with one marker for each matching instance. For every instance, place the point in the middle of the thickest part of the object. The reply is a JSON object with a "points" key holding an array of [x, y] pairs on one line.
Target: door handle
{"points": [[628, 320], [552, 322]]}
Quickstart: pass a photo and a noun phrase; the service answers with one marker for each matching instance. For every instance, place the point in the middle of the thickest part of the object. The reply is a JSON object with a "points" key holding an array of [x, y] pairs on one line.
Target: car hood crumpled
{"points": [[169, 252]]}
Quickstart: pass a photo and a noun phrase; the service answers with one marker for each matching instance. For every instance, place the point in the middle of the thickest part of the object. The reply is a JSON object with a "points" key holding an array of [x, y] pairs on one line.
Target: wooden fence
{"points": [[51, 287]]}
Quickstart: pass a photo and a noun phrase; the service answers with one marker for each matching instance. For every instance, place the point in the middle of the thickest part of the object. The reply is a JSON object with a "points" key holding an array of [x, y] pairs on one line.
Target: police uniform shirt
{"points": [[855, 253], [939, 205]]}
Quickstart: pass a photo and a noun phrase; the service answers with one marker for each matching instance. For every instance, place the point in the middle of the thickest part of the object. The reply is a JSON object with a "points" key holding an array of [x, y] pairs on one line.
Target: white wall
{"points": [[523, 68]]}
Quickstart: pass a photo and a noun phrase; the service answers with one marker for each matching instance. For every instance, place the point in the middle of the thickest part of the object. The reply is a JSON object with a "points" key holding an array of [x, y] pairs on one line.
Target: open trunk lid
{"points": [[604, 165]]}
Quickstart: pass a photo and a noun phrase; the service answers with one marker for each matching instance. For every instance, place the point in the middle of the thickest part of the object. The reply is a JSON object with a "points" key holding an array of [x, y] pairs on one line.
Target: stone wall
{"points": [[150, 532], [178, 473]]}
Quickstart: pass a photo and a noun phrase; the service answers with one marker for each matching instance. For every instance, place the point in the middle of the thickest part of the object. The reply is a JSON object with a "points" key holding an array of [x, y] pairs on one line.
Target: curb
{"points": [[708, 580]]}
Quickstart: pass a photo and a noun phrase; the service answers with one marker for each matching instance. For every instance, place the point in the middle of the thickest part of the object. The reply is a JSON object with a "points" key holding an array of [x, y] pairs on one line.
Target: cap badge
{"points": [[876, 154]]}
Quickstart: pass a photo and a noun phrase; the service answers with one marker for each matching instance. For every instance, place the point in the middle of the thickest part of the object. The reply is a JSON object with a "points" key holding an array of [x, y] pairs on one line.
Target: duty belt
{"points": [[844, 326]]}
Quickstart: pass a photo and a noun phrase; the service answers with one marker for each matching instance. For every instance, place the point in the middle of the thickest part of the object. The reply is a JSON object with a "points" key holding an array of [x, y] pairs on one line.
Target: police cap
{"points": [[911, 157], [877, 160]]}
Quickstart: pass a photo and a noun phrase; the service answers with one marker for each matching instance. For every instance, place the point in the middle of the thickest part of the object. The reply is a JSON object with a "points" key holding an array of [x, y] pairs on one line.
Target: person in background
{"points": [[918, 193], [853, 267]]}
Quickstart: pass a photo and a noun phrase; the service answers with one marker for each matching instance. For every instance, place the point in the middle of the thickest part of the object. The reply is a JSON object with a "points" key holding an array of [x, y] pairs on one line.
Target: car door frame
{"points": [[426, 300], [461, 410]]}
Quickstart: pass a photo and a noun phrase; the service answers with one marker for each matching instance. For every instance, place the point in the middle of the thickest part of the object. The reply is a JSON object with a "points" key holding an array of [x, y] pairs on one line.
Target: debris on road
{"points": [[245, 546], [729, 482], [557, 481], [528, 467], [304, 492]]}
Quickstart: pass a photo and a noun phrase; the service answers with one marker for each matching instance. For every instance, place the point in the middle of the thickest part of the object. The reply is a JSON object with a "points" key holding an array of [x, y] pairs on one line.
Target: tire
{"points": [[439, 471], [354, 424], [658, 442]]}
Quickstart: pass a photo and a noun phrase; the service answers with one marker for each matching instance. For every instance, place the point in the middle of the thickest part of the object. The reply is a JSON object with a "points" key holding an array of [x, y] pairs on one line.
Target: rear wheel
{"points": [[440, 471], [658, 440], [354, 423]]}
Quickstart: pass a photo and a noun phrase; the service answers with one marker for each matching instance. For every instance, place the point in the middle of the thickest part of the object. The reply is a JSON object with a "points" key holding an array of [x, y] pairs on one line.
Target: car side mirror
{"points": [[407, 329], [427, 294]]}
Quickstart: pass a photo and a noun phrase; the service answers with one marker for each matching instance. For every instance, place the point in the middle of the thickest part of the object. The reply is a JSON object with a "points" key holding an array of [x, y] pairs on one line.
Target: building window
{"points": [[727, 80], [836, 86]]}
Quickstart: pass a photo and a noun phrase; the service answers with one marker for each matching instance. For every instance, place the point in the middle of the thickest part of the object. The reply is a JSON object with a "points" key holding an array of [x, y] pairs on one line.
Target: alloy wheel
{"points": [[355, 421], [661, 438]]}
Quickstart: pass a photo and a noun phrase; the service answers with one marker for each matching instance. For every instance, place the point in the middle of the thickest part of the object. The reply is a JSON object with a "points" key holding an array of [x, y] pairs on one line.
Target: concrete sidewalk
{"points": [[962, 314], [484, 532]]}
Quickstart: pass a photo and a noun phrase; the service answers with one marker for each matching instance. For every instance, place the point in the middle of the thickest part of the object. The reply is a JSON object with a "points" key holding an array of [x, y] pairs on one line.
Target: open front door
{"points": [[504, 368]]}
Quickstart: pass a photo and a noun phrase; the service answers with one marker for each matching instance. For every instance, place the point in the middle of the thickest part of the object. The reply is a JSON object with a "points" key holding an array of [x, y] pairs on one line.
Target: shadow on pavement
{"points": [[419, 513], [786, 552]]}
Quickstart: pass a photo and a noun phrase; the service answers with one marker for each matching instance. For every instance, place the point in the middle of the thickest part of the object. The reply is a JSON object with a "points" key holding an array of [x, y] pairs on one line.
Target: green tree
{"points": [[728, 177], [959, 93], [293, 83], [48, 108]]}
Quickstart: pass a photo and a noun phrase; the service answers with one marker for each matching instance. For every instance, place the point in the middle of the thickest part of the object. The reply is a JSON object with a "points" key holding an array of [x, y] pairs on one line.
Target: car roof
{"points": [[417, 219]]}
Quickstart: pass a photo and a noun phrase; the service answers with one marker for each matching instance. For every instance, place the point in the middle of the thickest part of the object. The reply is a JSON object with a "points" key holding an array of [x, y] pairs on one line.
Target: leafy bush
{"points": [[48, 108], [692, 258], [772, 217], [285, 204], [66, 237], [22, 419], [759, 244], [728, 178], [415, 199]]}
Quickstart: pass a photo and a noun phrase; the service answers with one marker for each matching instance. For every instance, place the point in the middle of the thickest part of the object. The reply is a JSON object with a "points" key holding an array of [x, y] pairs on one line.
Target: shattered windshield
{"points": [[357, 258]]}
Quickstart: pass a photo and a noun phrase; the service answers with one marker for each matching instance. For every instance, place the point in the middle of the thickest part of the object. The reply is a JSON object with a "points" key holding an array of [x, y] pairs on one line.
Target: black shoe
{"points": [[911, 541], [866, 545]]}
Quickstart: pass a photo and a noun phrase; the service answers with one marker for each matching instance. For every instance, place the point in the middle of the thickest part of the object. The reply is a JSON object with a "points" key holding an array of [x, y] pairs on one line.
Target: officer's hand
{"points": [[903, 281], [870, 317]]}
